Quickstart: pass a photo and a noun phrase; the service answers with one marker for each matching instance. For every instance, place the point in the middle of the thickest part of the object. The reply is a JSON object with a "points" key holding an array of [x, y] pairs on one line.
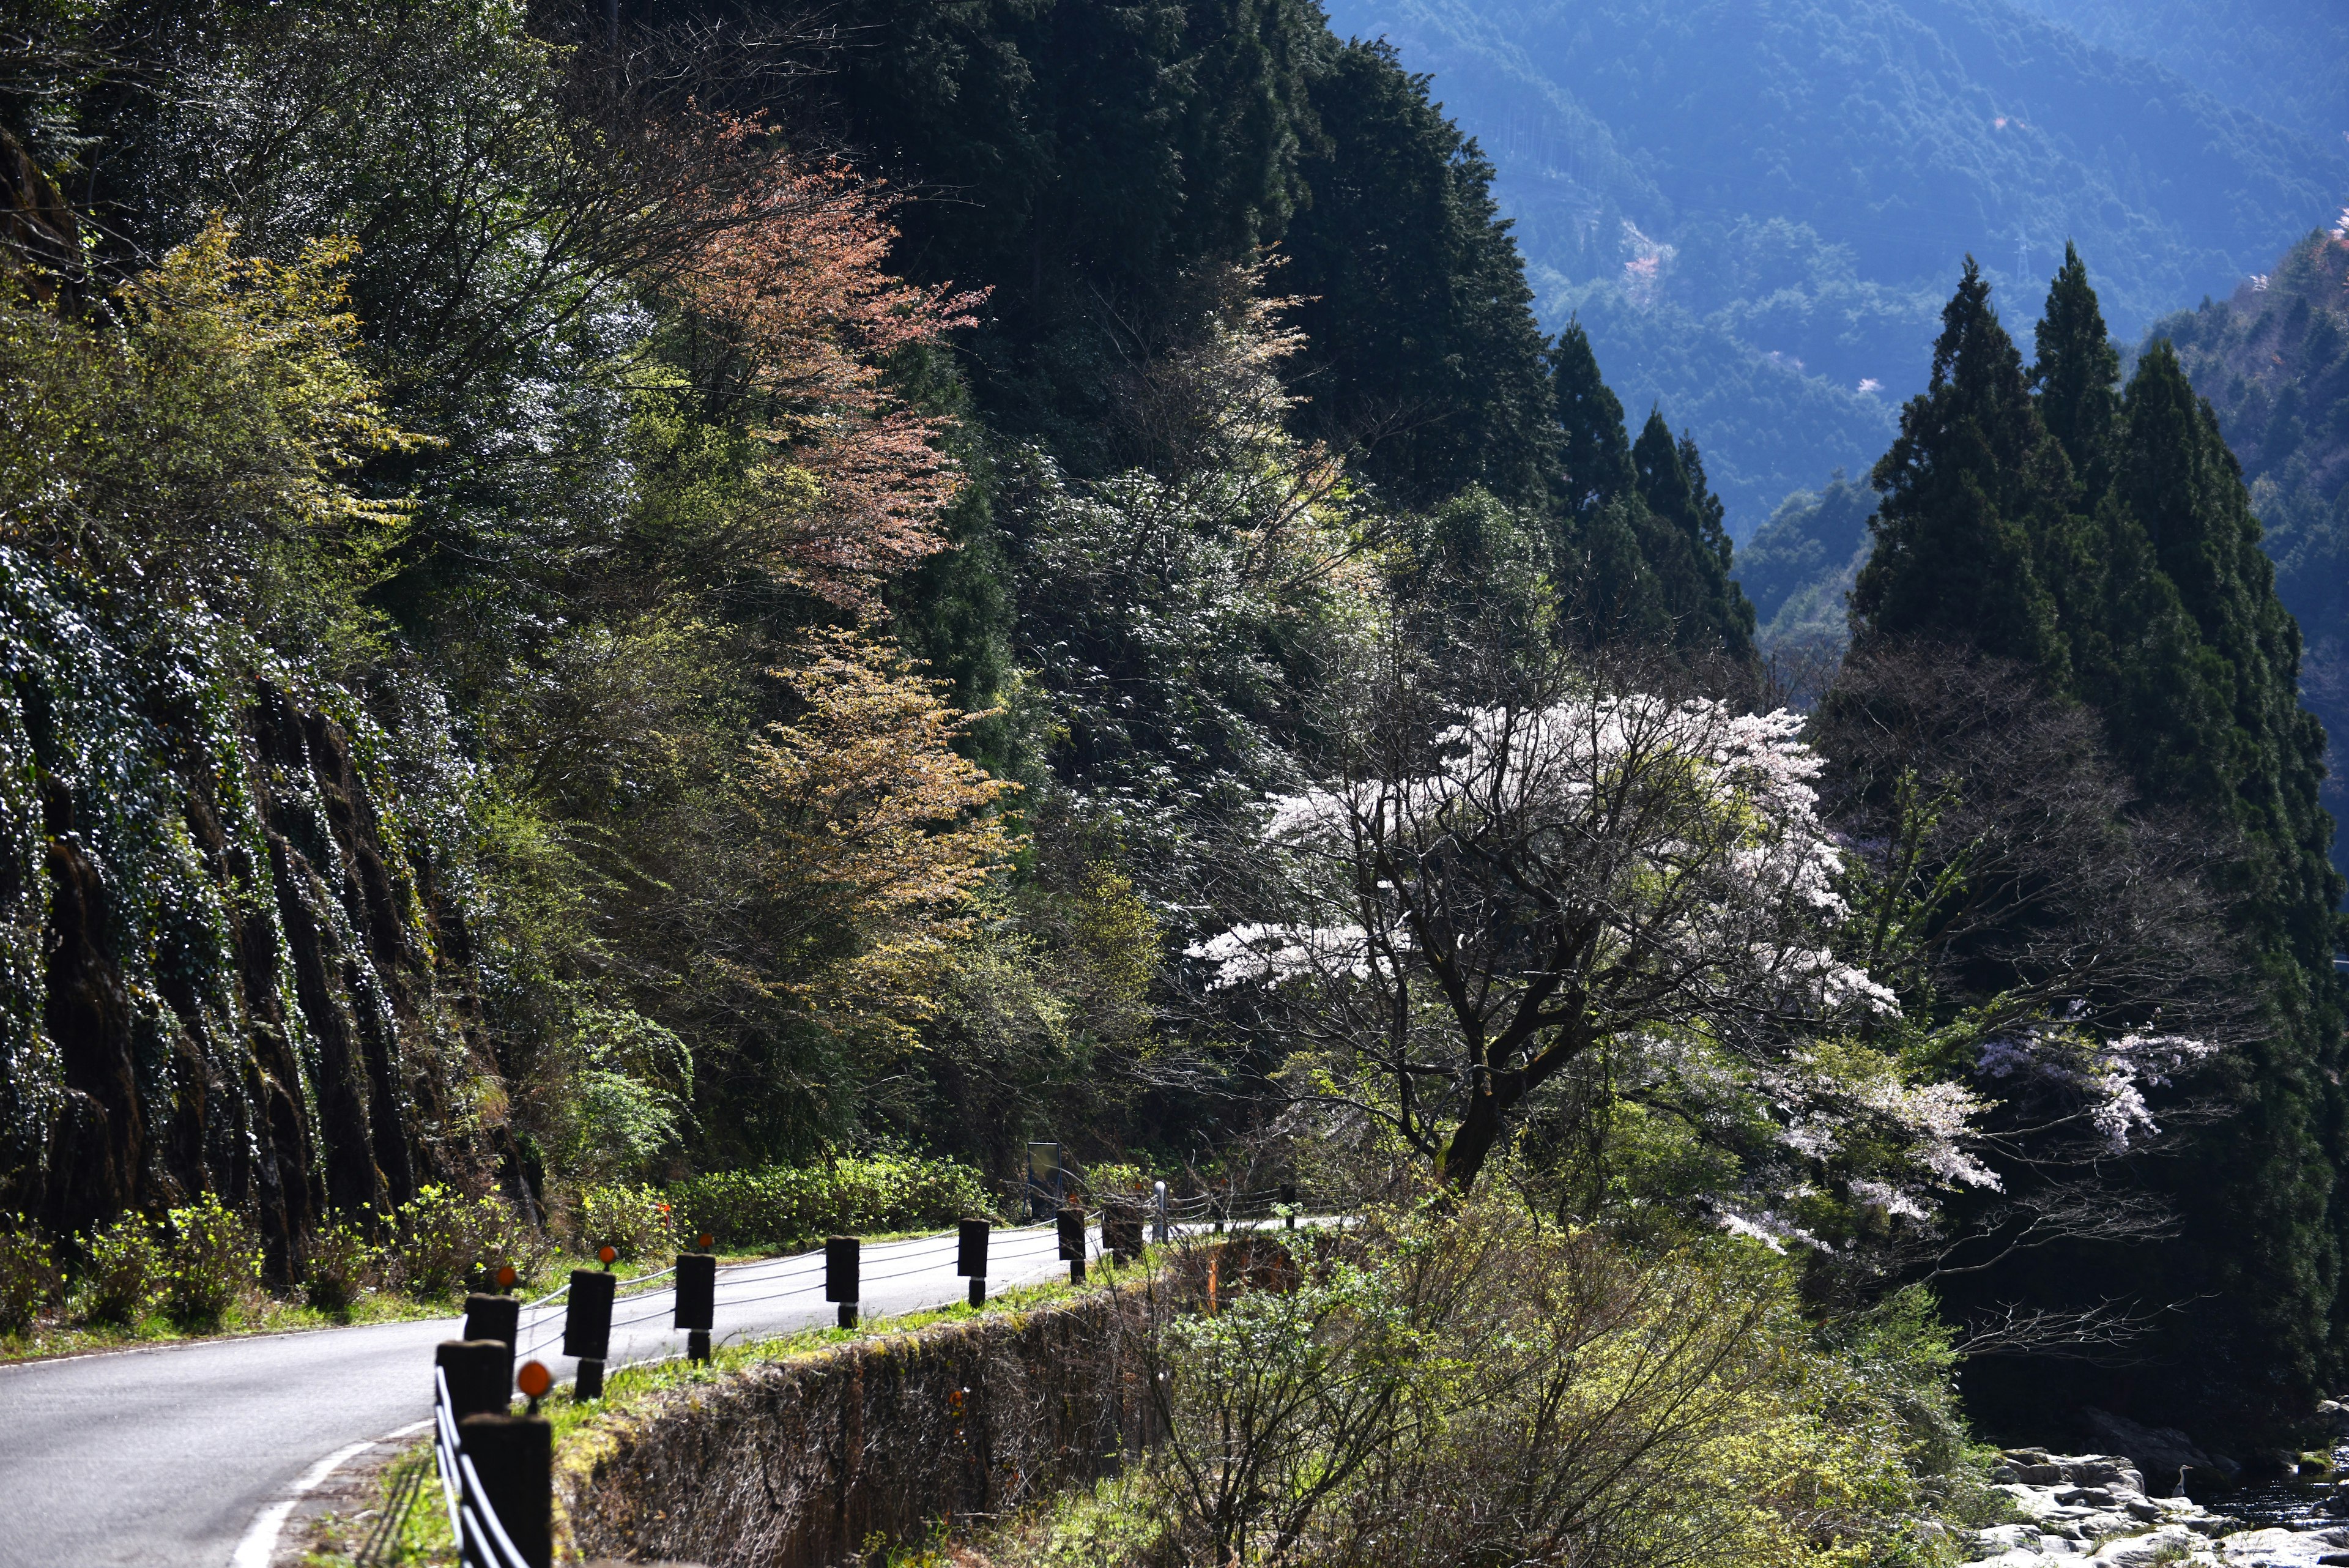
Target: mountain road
{"points": [[189, 1455]]}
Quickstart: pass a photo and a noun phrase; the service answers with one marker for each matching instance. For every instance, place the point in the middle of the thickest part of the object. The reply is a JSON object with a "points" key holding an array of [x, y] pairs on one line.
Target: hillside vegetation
{"points": [[2273, 359], [622, 618], [1754, 210]]}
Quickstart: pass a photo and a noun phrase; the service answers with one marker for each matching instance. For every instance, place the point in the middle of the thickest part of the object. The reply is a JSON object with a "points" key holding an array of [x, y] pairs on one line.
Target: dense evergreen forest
{"points": [[2285, 63], [1753, 210], [598, 599], [2273, 359]]}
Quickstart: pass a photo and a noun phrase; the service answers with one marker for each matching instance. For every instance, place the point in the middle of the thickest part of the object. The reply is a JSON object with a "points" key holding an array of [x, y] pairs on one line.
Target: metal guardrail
{"points": [[481, 1538]]}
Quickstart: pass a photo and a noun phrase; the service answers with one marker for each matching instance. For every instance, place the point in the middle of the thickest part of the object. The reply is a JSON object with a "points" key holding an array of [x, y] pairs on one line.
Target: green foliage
{"points": [[444, 1241], [204, 448], [341, 1264], [780, 1207], [1105, 153], [1799, 565], [1421, 343], [636, 1223], [623, 1089], [28, 1276], [123, 1274], [1114, 1179], [1414, 1378], [211, 1260]]}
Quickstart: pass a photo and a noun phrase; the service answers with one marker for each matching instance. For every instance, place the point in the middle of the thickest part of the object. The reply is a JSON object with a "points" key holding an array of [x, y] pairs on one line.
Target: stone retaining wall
{"points": [[799, 1463]]}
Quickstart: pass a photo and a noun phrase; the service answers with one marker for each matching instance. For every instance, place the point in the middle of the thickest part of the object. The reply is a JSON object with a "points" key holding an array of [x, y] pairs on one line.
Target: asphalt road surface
{"points": [[173, 1456]]}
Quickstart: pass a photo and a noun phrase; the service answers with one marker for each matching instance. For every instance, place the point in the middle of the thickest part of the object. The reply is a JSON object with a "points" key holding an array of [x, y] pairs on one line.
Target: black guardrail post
{"points": [[587, 1328], [970, 1257], [514, 1457], [1121, 1229], [495, 1317], [1072, 1241], [697, 1301], [842, 1275], [1288, 1204], [480, 1373]]}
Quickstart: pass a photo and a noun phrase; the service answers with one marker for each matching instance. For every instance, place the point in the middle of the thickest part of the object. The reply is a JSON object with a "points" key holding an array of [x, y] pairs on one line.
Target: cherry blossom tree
{"points": [[1592, 871]]}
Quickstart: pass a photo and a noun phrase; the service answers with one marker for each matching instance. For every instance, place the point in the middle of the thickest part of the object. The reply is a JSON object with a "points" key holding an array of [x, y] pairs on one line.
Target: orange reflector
{"points": [[506, 1277], [705, 1243], [606, 1255], [534, 1379]]}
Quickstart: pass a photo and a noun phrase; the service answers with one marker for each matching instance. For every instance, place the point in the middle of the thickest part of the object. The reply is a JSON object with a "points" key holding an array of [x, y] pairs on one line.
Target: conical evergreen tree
{"points": [[2258, 768], [1421, 341], [2206, 714], [1736, 611], [2107, 541], [1594, 454], [1686, 546], [2075, 376], [1964, 493]]}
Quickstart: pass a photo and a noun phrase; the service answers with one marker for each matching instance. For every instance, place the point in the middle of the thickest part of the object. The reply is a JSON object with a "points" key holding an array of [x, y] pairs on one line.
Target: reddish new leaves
{"points": [[795, 272]]}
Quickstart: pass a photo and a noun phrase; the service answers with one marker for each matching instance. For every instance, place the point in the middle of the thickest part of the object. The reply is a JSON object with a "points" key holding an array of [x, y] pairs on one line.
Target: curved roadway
{"points": [[188, 1453]]}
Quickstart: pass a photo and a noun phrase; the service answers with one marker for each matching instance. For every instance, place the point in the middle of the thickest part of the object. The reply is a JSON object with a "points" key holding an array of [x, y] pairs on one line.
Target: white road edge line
{"points": [[260, 1542]]}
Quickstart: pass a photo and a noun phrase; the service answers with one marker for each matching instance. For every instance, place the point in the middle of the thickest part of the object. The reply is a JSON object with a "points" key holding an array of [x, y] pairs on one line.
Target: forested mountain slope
{"points": [[2273, 359], [603, 596], [532, 599], [2279, 59], [1755, 209]]}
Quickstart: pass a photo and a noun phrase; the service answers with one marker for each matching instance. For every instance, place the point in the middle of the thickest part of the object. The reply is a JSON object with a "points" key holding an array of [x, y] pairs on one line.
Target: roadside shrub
{"points": [[213, 1259], [29, 1277], [1480, 1388], [125, 1277], [341, 1263], [446, 1238], [887, 1192], [1103, 1182], [635, 1221]]}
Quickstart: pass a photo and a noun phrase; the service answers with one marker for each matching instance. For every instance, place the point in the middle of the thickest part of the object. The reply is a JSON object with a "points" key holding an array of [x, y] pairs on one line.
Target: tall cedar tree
{"points": [[1423, 345], [1637, 544], [1687, 547], [2212, 721], [1594, 455], [2107, 543], [1087, 160], [1965, 484]]}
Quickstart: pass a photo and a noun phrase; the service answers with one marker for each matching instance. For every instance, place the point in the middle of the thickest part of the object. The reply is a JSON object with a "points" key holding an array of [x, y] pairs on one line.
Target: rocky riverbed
{"points": [[2092, 1510]]}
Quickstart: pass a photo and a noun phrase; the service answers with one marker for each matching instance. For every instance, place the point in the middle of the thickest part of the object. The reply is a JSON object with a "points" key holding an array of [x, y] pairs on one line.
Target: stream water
{"points": [[2296, 1505]]}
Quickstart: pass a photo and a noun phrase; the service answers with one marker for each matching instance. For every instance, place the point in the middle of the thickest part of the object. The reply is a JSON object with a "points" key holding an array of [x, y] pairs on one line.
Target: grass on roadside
{"points": [[422, 1539], [628, 1388]]}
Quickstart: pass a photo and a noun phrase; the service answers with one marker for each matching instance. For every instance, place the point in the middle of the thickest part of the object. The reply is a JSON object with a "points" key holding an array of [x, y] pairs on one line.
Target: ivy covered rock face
{"points": [[230, 966]]}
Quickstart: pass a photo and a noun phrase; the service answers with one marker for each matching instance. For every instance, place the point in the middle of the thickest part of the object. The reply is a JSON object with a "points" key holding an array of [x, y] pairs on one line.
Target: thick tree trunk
{"points": [[1463, 1154]]}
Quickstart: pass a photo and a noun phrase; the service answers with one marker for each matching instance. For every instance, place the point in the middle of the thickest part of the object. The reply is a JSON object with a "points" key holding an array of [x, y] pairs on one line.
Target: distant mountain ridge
{"points": [[1756, 209], [2284, 60]]}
